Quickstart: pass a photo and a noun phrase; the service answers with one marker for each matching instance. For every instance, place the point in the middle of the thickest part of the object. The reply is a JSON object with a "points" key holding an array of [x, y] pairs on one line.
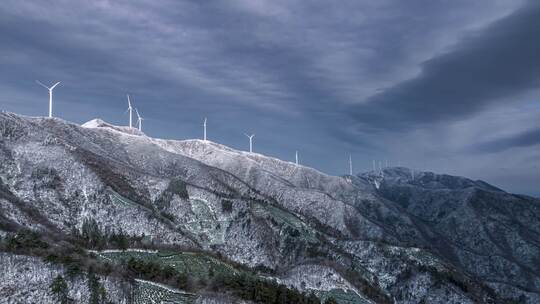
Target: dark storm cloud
{"points": [[269, 58], [264, 55], [525, 139], [497, 62]]}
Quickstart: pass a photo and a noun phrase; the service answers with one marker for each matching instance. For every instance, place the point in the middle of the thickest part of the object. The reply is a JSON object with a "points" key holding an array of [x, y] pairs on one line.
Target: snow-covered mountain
{"points": [[375, 237], [491, 234]]}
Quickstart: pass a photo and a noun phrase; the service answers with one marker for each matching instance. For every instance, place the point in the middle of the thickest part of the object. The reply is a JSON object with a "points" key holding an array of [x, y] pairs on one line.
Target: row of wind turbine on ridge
{"points": [[140, 119], [250, 137], [130, 109]]}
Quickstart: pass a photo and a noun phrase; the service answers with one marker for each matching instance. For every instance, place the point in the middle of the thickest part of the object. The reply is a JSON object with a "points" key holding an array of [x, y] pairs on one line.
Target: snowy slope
{"points": [[292, 219], [487, 231]]}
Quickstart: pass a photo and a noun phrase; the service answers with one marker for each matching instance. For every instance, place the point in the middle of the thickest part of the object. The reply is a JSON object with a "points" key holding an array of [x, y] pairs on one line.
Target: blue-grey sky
{"points": [[446, 86]]}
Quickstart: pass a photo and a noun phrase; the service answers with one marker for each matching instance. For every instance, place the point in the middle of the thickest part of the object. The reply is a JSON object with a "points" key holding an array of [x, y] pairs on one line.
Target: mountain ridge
{"points": [[263, 212]]}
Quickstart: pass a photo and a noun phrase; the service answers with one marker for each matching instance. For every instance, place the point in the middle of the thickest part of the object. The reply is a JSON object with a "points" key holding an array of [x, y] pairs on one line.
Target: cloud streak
{"points": [[497, 62], [525, 139]]}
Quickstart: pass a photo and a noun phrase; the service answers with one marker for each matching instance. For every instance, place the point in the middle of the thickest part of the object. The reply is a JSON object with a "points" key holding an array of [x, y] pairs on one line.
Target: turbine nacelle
{"points": [[204, 127], [139, 120], [50, 94], [250, 141], [129, 102], [350, 165], [46, 87], [130, 110]]}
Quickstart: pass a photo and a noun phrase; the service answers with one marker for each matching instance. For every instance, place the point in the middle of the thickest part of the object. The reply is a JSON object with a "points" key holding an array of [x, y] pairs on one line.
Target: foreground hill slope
{"points": [[329, 235]]}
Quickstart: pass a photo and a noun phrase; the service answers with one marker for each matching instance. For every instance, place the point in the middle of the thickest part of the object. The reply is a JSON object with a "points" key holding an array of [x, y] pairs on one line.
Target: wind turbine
{"points": [[139, 119], [350, 165], [250, 142], [130, 109], [296, 157], [204, 125], [50, 94]]}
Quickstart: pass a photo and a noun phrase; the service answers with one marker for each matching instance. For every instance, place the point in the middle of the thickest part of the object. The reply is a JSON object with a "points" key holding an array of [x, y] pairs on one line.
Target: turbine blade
{"points": [[41, 84], [54, 85]]}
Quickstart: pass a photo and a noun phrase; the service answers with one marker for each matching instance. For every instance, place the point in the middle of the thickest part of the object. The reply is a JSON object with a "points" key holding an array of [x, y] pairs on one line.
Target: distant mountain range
{"points": [[197, 222]]}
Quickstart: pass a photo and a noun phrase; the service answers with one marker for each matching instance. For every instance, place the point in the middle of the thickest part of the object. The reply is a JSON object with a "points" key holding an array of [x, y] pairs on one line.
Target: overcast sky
{"points": [[445, 86]]}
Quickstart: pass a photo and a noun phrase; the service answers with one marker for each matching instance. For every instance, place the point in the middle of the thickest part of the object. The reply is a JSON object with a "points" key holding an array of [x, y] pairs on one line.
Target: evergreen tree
{"points": [[312, 299], [59, 289], [93, 287], [92, 235], [119, 239], [102, 293], [330, 300]]}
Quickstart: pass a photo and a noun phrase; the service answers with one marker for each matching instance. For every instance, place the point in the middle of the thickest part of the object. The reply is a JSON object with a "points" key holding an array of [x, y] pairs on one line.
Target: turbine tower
{"points": [[250, 142], [50, 94], [350, 165], [296, 157], [204, 125], [130, 109], [139, 119]]}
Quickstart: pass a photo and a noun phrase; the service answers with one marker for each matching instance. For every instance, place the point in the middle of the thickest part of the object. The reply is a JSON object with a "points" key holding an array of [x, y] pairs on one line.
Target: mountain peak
{"points": [[431, 180], [100, 123]]}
